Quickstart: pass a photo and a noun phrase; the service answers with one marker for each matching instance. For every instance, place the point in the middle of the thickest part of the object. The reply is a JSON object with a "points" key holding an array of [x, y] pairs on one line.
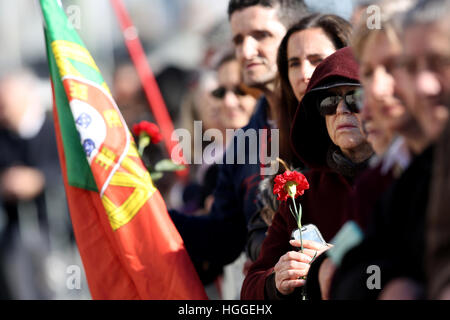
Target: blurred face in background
{"points": [[358, 14], [378, 60], [207, 106], [382, 112], [126, 83], [257, 33], [236, 104], [425, 74], [305, 51], [128, 94], [19, 101], [378, 137], [12, 102]]}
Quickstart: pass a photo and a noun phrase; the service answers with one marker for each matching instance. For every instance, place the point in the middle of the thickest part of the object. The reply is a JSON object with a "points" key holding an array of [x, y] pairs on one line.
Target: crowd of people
{"points": [[360, 108], [362, 112]]}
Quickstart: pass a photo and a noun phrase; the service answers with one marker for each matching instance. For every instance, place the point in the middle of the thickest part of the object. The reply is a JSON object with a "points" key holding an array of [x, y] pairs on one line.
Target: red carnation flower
{"points": [[288, 183], [148, 128]]}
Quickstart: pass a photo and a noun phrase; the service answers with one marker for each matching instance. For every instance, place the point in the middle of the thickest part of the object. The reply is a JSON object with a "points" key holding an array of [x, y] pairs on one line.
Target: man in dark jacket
{"points": [[327, 136], [219, 237]]}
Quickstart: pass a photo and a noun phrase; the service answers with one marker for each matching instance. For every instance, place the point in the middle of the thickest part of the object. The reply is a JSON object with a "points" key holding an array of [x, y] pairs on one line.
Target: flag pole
{"points": [[148, 81]]}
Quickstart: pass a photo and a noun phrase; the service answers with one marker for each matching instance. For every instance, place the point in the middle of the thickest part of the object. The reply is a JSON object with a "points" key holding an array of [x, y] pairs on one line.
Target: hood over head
{"points": [[309, 136]]}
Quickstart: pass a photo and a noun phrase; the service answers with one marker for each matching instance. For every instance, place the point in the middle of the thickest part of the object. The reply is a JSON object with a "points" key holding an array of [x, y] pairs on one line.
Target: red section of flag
{"points": [[100, 260], [144, 259]]}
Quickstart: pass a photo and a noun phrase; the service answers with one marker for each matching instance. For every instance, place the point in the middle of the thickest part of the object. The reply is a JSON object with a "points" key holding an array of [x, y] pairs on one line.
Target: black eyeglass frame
{"points": [[221, 91]]}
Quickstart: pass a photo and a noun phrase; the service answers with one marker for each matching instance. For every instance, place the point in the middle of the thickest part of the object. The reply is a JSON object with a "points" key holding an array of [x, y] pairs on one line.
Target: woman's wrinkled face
{"points": [[305, 51], [344, 126]]}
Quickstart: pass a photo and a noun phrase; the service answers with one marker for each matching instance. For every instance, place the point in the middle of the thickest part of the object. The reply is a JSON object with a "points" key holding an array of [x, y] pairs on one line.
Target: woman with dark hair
{"points": [[305, 45]]}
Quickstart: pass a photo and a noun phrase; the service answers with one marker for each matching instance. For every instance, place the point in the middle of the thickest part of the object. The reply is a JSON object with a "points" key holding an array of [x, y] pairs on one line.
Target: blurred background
{"points": [[38, 254]]}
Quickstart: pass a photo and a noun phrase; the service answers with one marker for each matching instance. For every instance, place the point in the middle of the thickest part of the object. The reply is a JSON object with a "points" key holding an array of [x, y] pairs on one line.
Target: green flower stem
{"points": [[299, 222], [300, 226], [144, 141]]}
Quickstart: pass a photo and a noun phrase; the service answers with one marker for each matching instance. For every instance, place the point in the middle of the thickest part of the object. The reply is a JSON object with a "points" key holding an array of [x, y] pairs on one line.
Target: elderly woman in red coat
{"points": [[327, 136]]}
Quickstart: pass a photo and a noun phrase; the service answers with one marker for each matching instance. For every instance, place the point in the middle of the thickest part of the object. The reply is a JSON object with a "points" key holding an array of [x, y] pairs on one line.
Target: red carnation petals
{"points": [[149, 128], [280, 182]]}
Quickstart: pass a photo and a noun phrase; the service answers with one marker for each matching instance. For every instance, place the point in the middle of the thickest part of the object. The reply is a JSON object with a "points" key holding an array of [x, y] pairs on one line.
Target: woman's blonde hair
{"points": [[389, 24]]}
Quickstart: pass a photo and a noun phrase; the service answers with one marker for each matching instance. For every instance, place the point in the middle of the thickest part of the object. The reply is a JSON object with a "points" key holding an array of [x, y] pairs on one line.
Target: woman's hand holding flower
{"points": [[294, 265]]}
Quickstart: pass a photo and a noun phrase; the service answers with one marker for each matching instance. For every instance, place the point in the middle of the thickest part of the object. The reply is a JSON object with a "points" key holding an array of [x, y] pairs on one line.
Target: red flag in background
{"points": [[129, 246], [148, 81]]}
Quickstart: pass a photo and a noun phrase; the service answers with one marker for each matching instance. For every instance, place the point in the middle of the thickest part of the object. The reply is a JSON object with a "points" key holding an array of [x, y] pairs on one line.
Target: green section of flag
{"points": [[79, 173], [58, 27]]}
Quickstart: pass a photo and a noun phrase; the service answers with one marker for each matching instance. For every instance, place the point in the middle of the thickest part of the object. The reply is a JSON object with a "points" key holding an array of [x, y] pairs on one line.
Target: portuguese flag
{"points": [[128, 244]]}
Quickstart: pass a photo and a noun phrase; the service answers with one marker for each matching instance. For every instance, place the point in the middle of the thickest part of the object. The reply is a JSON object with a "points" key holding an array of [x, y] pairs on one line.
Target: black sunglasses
{"points": [[220, 92], [328, 103]]}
